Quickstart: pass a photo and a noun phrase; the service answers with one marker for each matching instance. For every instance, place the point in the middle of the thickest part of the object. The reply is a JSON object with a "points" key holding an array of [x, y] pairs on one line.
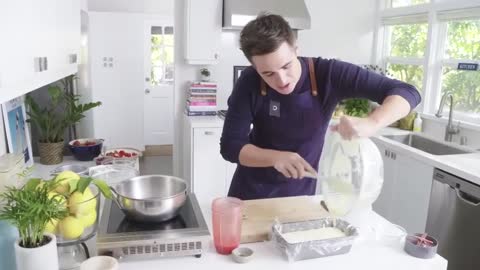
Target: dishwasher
{"points": [[454, 219]]}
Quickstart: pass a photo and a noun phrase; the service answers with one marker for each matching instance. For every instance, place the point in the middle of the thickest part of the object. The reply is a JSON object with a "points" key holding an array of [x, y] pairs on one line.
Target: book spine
{"points": [[202, 103]]}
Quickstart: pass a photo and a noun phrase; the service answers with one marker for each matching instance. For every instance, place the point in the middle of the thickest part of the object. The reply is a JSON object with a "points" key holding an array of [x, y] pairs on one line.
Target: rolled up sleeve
{"points": [[351, 81], [236, 127]]}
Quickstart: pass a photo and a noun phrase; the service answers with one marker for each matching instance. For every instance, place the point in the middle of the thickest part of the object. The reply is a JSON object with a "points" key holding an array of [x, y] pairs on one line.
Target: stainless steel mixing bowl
{"points": [[151, 198]]}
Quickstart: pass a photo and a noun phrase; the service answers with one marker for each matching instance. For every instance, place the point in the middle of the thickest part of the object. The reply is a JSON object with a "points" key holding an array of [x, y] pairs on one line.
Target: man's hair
{"points": [[265, 34]]}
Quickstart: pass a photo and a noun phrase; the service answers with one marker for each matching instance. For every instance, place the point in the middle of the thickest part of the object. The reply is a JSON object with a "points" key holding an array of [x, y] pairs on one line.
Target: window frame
{"points": [[162, 47], [433, 60]]}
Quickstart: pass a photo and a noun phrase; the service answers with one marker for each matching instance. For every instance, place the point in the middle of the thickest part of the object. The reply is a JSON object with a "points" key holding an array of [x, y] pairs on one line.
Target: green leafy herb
{"points": [[357, 107], [29, 209]]}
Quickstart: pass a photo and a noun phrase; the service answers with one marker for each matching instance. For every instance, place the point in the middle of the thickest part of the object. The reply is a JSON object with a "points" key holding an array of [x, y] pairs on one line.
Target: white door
{"points": [[158, 92]]}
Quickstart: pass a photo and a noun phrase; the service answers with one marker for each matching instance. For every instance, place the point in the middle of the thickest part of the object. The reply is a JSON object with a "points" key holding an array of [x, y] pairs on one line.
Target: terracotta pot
{"points": [[51, 153]]}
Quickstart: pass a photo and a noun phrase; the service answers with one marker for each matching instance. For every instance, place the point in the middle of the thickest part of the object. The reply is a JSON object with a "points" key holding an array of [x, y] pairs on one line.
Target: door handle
{"points": [[208, 133], [466, 200], [147, 91]]}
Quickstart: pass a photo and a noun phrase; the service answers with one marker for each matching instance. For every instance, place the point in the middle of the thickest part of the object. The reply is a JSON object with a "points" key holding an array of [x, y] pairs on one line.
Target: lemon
{"points": [[82, 203], [127, 203], [51, 226], [71, 228], [58, 197], [89, 219], [63, 179]]}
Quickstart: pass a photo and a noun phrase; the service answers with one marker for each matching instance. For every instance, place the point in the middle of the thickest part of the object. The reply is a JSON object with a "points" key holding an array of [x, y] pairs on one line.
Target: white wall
{"points": [[84, 83], [341, 29], [230, 55], [136, 6], [183, 73]]}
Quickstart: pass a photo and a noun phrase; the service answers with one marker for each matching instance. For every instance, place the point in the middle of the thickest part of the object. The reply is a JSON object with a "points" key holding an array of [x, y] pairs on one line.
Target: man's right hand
{"points": [[292, 165]]}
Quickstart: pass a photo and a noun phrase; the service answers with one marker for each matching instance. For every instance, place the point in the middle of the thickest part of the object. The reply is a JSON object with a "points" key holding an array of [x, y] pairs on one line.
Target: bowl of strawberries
{"points": [[85, 149], [119, 155]]}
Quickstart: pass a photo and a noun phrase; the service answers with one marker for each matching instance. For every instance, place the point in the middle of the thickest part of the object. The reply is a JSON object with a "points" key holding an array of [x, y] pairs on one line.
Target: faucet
{"points": [[450, 129]]}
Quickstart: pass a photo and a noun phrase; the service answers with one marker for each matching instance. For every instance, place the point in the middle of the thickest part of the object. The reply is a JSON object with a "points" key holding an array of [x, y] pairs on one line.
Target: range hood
{"points": [[237, 13]]}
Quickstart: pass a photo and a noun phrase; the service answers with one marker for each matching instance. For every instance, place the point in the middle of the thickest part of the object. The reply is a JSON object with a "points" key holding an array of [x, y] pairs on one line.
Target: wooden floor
{"points": [[156, 165], [158, 150]]}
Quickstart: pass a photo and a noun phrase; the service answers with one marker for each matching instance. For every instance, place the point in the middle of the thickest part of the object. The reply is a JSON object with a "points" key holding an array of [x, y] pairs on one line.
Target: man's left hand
{"points": [[351, 127]]}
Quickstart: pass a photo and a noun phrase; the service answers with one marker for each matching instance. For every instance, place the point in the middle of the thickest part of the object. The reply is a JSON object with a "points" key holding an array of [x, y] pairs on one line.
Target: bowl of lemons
{"points": [[81, 197]]}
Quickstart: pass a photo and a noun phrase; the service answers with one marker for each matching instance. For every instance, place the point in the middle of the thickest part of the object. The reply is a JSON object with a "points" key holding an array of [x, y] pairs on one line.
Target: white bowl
{"points": [[100, 263], [242, 254]]}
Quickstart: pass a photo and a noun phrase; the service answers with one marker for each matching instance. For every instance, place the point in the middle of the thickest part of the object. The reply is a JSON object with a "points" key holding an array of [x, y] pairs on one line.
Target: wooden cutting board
{"points": [[259, 215]]}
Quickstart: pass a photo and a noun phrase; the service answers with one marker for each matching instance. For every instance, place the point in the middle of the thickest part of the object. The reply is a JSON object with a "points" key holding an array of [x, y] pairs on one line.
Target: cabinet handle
{"points": [[72, 58], [394, 156], [216, 55], [208, 133]]}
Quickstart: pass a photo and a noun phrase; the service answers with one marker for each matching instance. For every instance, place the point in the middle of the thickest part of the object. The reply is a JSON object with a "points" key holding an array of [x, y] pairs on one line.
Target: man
{"points": [[290, 101]]}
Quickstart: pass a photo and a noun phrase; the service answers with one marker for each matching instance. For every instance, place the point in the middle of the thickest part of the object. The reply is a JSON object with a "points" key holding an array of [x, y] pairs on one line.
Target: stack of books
{"points": [[201, 99]]}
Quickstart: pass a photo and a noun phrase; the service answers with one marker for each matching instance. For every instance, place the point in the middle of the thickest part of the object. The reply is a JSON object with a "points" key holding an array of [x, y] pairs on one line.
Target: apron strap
{"points": [[313, 81], [263, 87]]}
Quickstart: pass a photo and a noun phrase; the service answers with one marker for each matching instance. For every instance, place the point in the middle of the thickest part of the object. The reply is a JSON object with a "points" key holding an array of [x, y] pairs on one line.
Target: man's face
{"points": [[280, 69]]}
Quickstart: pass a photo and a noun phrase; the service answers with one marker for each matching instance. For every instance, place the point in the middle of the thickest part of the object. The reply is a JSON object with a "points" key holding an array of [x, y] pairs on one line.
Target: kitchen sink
{"points": [[428, 145]]}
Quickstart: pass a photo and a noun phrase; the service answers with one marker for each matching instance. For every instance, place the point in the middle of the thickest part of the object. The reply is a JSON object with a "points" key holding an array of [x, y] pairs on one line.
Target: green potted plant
{"points": [[205, 73], [358, 107], [29, 209], [52, 121]]}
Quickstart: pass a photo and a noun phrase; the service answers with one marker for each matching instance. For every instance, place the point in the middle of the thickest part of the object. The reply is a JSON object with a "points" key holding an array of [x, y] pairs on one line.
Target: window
{"points": [[404, 3], [462, 45], [162, 55], [424, 45], [406, 52]]}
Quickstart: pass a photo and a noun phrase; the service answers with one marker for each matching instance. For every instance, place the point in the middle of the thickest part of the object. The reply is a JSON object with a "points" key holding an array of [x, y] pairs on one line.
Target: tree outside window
{"points": [[162, 52]]}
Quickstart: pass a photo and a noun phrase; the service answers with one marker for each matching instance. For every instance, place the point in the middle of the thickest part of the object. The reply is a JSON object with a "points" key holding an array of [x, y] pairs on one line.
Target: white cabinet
{"points": [[406, 190], [209, 168], [40, 41], [203, 29], [204, 167]]}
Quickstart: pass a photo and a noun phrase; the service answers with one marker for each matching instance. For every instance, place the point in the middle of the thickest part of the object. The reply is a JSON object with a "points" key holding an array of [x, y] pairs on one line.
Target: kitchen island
{"points": [[372, 250]]}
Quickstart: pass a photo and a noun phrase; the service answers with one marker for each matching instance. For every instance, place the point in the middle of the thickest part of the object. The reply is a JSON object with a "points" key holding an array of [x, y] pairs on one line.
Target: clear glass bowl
{"points": [[350, 173], [82, 222]]}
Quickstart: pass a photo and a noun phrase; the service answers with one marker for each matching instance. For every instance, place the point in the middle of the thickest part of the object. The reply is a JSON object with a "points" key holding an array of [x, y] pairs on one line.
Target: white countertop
{"points": [[366, 253], [466, 166], [44, 171]]}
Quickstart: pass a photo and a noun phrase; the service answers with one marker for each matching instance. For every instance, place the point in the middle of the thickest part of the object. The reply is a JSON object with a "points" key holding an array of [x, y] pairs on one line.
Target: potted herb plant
{"points": [[52, 121], [205, 73], [30, 208]]}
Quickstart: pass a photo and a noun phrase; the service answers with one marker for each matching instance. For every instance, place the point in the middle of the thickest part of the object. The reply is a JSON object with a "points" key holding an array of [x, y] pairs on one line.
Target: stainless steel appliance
{"points": [[454, 219], [184, 235], [150, 197]]}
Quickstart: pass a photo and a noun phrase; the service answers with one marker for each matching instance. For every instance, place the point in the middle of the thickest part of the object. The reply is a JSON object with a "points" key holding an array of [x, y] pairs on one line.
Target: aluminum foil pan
{"points": [[315, 248]]}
